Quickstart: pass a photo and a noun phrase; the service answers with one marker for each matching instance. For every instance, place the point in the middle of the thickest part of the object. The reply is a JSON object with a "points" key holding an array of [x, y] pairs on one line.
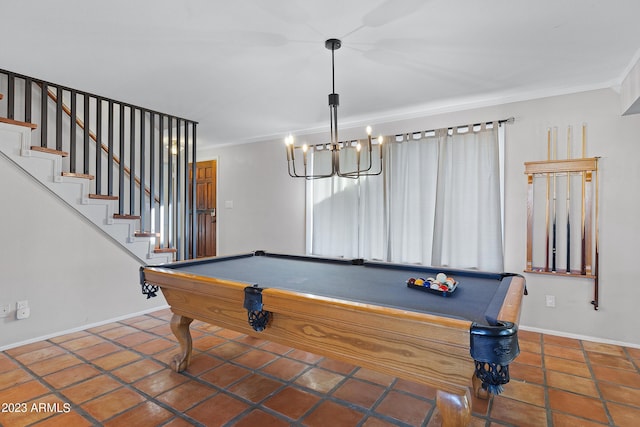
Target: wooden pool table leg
{"points": [[180, 327], [455, 409]]}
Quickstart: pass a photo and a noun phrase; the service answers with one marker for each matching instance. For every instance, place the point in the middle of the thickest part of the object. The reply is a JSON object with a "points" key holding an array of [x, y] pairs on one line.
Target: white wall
{"points": [[71, 274], [269, 206]]}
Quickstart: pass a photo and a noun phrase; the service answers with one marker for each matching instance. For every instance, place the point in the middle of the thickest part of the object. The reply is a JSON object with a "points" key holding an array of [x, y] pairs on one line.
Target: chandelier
{"points": [[350, 153]]}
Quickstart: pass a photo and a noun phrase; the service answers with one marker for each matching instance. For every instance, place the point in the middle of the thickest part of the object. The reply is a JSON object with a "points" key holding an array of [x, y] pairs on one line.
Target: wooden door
{"points": [[206, 208]]}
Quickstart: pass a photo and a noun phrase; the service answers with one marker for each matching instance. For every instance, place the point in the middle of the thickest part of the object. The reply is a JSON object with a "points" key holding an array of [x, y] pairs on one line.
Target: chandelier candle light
{"points": [[335, 147]]}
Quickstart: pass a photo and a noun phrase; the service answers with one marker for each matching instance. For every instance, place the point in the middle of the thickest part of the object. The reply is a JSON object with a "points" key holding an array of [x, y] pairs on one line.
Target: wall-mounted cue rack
{"points": [[569, 246]]}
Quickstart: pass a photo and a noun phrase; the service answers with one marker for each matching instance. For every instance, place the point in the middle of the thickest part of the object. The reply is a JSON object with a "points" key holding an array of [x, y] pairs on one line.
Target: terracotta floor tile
{"points": [[528, 358], [624, 416], [13, 377], [611, 361], [54, 364], [137, 370], [522, 372], [162, 330], [72, 375], [217, 410], [359, 393], [70, 419], [28, 348], [255, 359], [7, 364], [39, 355], [224, 375], [146, 414], [574, 404], [32, 411], [90, 389], [202, 363], [284, 368], [331, 413], [292, 402], [205, 342], [147, 323], [276, 348], [529, 336], [160, 382], [105, 327], [518, 413], [155, 346], [530, 346], [377, 422], [633, 352], [96, 351], [374, 376], [115, 360], [565, 420], [575, 354], [525, 392], [68, 337], [612, 350], [118, 332], [112, 403], [186, 395], [567, 366], [562, 341], [304, 356], [255, 387], [614, 375], [262, 419], [229, 350], [135, 339], [23, 392], [252, 341], [178, 422], [82, 342], [229, 334], [337, 366], [620, 394], [419, 390], [319, 380], [404, 408], [572, 383]]}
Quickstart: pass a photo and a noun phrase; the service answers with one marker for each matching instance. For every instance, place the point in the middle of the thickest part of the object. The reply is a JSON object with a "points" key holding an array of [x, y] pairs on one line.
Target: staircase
{"points": [[122, 175]]}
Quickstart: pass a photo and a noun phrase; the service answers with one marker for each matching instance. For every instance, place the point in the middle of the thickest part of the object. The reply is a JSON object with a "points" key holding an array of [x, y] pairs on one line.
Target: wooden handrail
{"points": [[104, 148]]}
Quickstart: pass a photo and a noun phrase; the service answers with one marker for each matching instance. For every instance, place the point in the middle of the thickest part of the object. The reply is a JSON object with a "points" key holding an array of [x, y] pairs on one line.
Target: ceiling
{"points": [[253, 70]]}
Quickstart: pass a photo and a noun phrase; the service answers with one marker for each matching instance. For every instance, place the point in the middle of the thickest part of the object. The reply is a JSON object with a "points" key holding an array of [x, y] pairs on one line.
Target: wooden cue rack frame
{"points": [[587, 168]]}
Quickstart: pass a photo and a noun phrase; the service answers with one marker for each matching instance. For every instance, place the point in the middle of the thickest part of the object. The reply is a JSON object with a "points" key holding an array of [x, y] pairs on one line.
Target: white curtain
{"points": [[438, 202]]}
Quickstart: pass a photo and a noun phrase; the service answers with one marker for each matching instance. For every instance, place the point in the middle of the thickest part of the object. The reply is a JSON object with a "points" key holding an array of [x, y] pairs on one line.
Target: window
{"points": [[438, 202]]}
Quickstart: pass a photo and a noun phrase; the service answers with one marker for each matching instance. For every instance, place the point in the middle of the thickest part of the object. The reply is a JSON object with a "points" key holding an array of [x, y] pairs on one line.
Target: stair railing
{"points": [[144, 158]]}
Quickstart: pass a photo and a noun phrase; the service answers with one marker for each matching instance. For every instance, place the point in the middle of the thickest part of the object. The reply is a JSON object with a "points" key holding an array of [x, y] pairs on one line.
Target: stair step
{"points": [[49, 150], [123, 216], [16, 122], [102, 197], [145, 234], [165, 250], [78, 175]]}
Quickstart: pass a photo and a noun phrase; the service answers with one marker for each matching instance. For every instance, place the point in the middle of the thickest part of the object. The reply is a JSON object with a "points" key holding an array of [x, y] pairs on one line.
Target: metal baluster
{"points": [[110, 151], [11, 90], [27, 99], [85, 149], [98, 146], [121, 164], [44, 114], [132, 161], [143, 121], [72, 134], [59, 118]]}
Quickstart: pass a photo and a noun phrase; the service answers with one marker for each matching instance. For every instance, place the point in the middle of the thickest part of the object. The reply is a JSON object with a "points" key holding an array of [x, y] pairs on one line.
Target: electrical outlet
{"points": [[550, 300], [5, 309], [23, 313]]}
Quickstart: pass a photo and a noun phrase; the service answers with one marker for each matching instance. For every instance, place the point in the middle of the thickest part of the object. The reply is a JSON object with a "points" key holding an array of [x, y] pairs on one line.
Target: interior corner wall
{"points": [[71, 274], [268, 205], [259, 207]]}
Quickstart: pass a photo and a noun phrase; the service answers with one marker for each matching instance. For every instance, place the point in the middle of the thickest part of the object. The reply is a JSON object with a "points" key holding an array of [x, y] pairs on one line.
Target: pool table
{"points": [[359, 312]]}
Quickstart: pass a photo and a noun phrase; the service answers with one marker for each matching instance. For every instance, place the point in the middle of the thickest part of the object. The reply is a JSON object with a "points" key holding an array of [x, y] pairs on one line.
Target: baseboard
{"points": [[579, 337], [84, 327]]}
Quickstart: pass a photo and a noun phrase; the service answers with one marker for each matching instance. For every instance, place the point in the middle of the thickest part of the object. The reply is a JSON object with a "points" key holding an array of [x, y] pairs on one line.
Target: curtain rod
{"points": [[423, 132]]}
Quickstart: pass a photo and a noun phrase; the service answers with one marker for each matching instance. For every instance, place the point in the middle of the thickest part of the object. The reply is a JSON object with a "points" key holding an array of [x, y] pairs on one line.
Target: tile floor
{"points": [[117, 375]]}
